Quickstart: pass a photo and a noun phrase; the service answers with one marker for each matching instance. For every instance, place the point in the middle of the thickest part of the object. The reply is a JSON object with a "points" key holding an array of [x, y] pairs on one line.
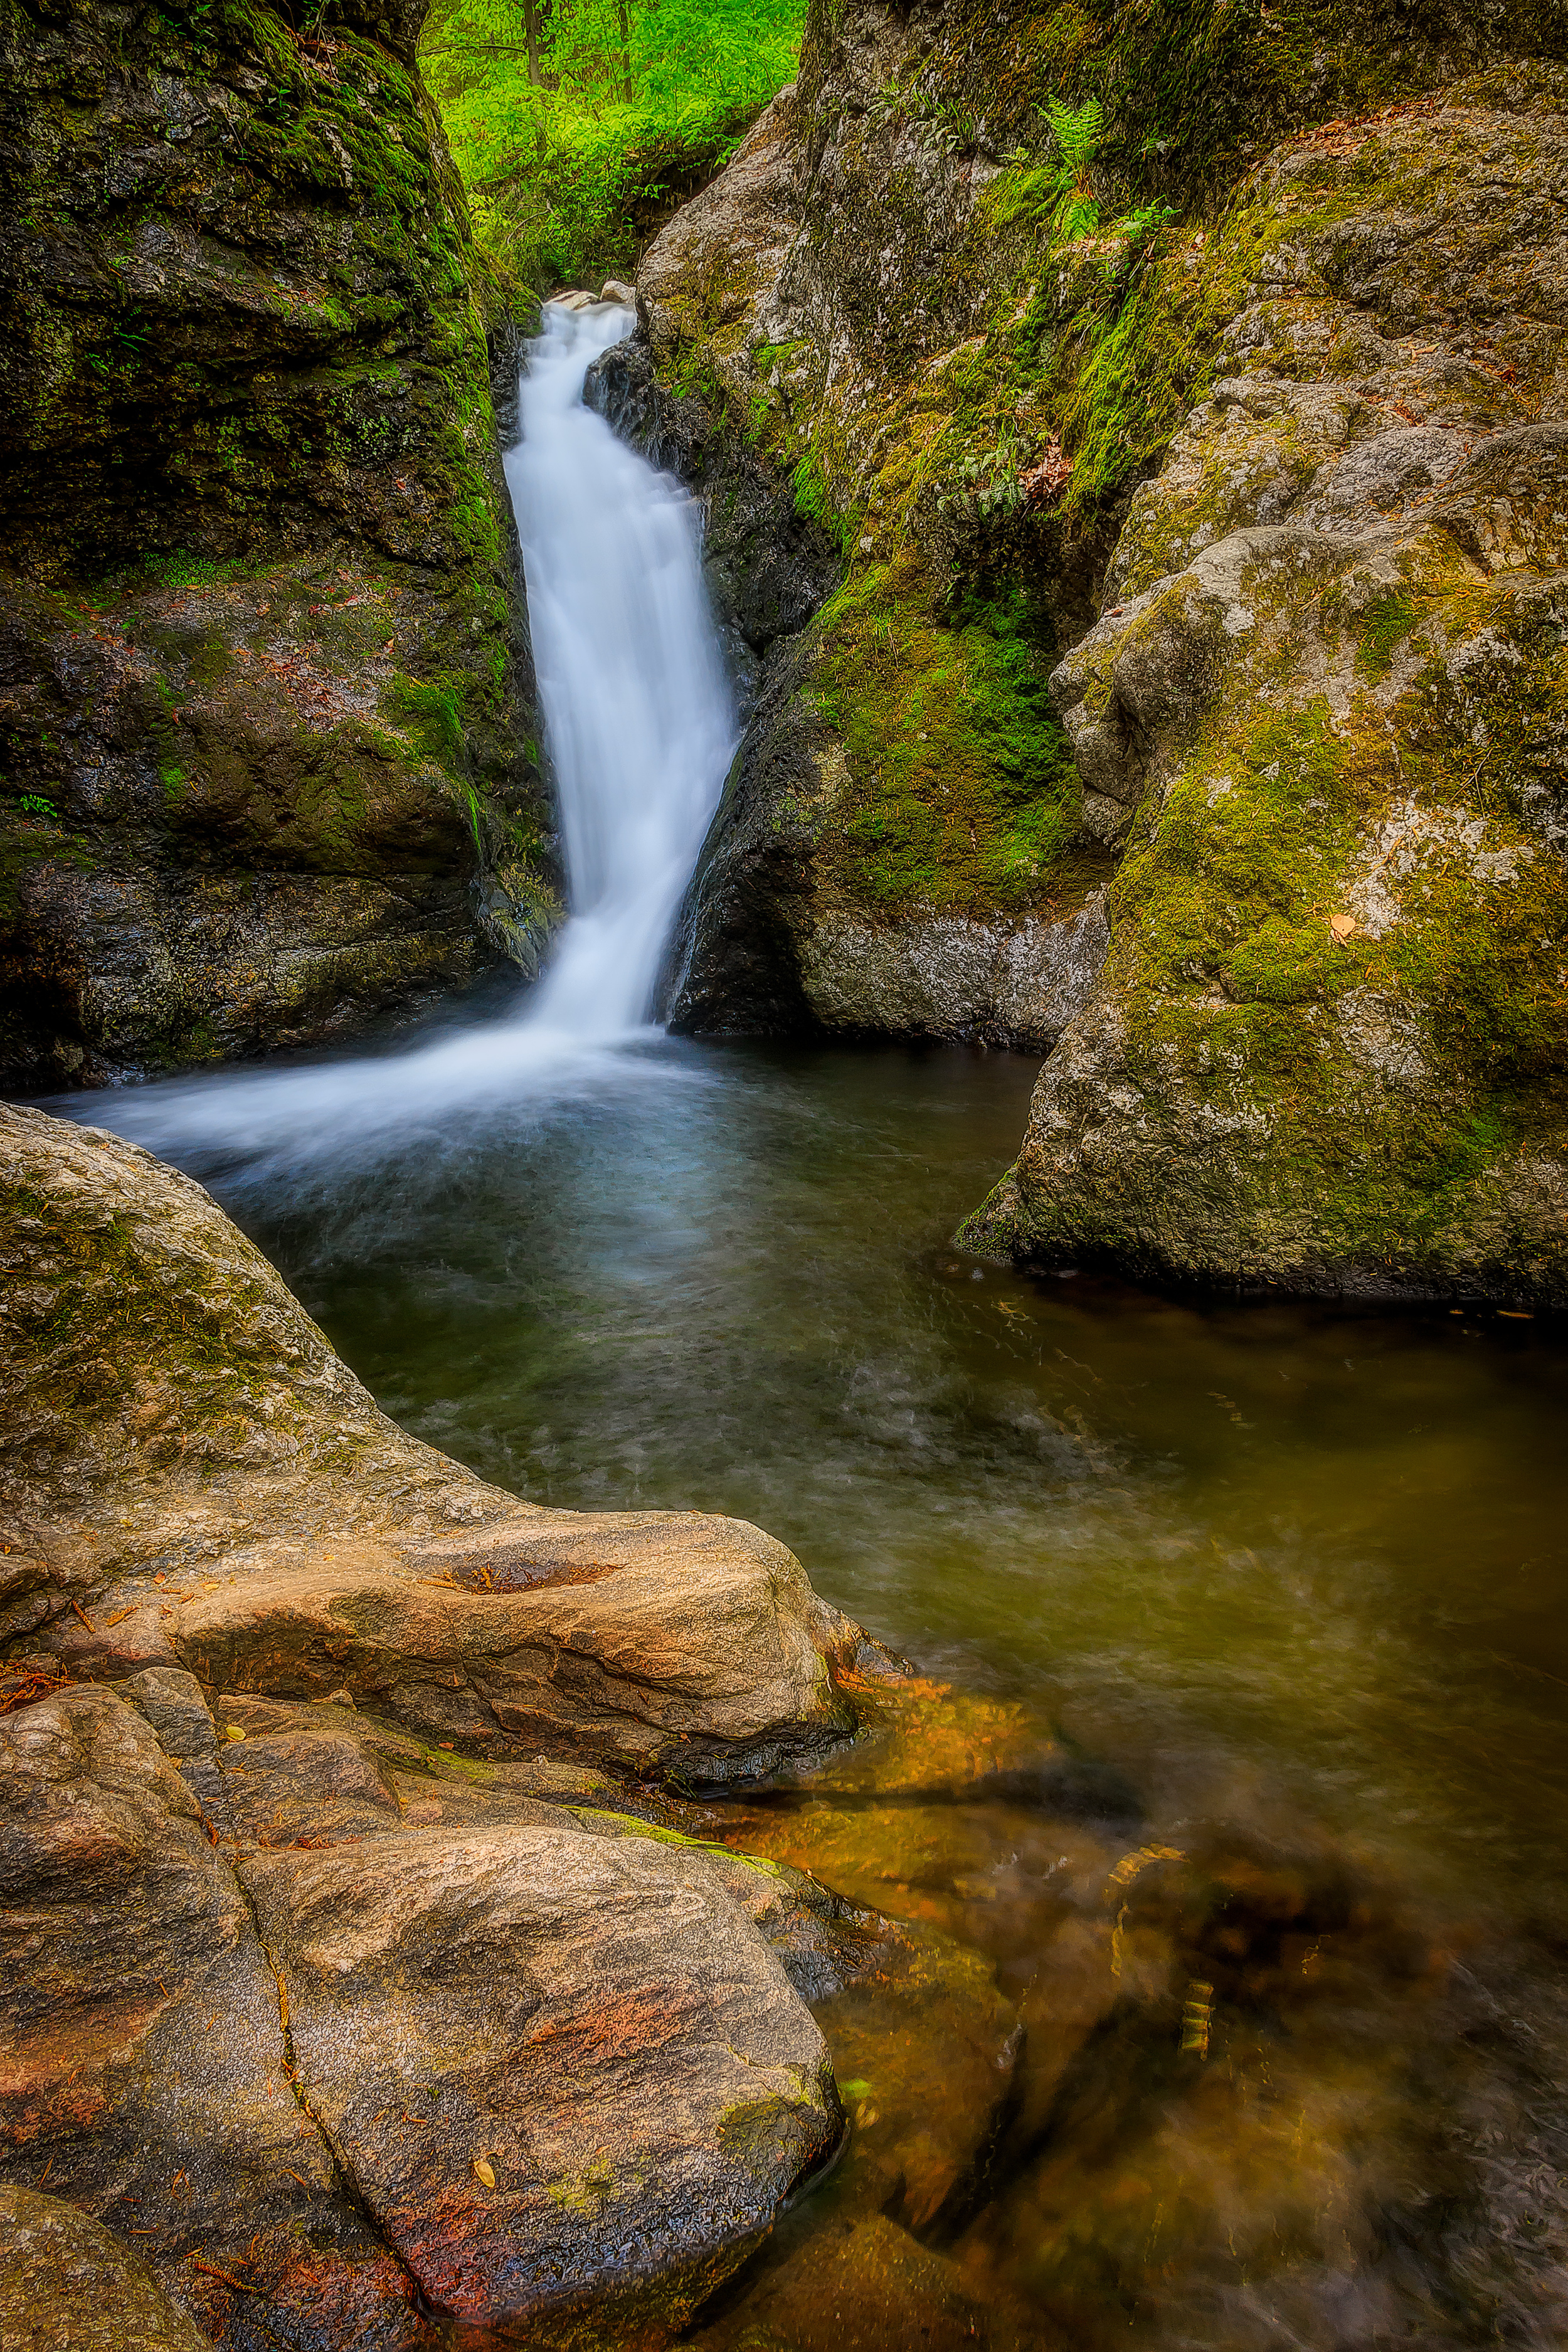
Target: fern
{"points": [[1077, 131]]}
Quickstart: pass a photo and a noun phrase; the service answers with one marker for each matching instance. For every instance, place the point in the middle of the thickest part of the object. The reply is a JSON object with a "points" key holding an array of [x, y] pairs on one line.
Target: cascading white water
{"points": [[639, 726], [637, 708]]}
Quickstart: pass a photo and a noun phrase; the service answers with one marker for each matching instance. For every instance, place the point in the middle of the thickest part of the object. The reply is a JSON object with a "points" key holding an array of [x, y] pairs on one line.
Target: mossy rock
{"points": [[266, 721]]}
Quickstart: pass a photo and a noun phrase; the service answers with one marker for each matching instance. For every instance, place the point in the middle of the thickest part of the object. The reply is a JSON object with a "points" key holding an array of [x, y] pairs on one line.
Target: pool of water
{"points": [[1293, 1576]]}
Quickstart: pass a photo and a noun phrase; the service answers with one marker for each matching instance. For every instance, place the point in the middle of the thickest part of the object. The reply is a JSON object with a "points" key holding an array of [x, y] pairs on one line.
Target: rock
{"points": [[66, 2285], [594, 2022], [262, 708], [346, 2022], [145, 2058], [252, 2006], [767, 566], [770, 940], [870, 2284], [653, 1642], [615, 289], [1202, 562], [1325, 716], [815, 904]]}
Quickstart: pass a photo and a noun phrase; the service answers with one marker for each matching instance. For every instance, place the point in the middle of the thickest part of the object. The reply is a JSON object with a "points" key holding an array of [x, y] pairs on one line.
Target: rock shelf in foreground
{"points": [[315, 1992]]}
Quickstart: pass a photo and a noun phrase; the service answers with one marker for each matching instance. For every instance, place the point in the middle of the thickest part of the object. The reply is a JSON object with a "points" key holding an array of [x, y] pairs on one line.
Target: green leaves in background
{"points": [[577, 123]]}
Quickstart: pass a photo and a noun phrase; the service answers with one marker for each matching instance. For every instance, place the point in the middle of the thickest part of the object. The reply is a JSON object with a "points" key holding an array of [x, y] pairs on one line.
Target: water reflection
{"points": [[1291, 1579]]}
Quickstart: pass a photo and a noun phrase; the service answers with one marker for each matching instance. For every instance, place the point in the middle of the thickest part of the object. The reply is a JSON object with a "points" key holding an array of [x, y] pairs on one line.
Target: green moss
{"points": [[958, 794], [436, 710], [584, 2193], [630, 1826], [1384, 626]]}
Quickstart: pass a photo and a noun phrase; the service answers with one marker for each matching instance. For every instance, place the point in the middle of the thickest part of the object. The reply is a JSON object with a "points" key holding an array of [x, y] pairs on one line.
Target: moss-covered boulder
{"points": [[263, 732], [1327, 715], [67, 2285], [1184, 387]]}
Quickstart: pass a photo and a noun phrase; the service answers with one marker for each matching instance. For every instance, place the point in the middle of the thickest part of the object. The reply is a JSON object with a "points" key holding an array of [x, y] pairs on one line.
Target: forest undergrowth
{"points": [[579, 125]]}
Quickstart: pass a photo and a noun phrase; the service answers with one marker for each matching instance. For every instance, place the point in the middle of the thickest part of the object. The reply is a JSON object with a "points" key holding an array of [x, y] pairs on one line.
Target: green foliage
{"points": [[959, 792], [1077, 131], [572, 147]]}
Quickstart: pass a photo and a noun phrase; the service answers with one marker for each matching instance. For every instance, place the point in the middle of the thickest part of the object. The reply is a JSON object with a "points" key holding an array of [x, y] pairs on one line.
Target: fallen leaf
{"points": [[1342, 926], [482, 2171]]}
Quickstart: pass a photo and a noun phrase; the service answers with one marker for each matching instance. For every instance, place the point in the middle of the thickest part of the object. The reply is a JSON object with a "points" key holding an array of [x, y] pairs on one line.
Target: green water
{"points": [[1295, 1574]]}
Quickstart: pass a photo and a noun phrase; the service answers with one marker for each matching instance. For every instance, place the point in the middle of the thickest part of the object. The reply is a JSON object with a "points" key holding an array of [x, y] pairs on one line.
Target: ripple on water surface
{"points": [[1282, 1585]]}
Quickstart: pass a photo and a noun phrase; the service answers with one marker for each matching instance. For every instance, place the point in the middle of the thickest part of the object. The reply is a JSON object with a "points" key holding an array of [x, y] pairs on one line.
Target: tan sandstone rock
{"points": [[196, 1479]]}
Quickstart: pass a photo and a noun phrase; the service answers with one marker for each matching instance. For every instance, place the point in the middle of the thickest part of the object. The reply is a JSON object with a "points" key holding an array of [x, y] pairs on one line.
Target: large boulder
{"points": [[1323, 717], [313, 1986], [67, 2285], [1191, 704], [197, 1480], [335, 2063]]}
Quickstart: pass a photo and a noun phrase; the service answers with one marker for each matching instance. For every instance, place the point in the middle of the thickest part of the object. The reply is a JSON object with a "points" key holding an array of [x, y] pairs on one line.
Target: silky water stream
{"points": [[1225, 1827]]}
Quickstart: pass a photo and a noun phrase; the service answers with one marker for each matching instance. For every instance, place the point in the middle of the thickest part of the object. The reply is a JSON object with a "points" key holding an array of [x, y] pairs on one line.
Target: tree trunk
{"points": [[624, 12]]}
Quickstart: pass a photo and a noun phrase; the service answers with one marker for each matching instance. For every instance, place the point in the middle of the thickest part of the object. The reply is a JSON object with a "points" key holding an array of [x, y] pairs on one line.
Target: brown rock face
{"points": [[592, 2020], [309, 1986], [338, 2067]]}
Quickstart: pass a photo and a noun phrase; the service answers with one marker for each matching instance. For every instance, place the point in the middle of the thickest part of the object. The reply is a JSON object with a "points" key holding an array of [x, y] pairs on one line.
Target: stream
{"points": [[1228, 1809]]}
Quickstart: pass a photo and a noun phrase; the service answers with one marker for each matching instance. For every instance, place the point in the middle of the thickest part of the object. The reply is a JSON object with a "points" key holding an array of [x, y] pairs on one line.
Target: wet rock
{"points": [[658, 1643], [823, 1942], [867, 2283], [492, 2066], [767, 566], [769, 940], [263, 717], [66, 2285], [146, 2064], [590, 2021], [694, 1652]]}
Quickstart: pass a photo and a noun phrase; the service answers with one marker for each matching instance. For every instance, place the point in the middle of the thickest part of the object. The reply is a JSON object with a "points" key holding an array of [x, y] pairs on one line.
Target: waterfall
{"points": [[640, 727], [636, 704]]}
